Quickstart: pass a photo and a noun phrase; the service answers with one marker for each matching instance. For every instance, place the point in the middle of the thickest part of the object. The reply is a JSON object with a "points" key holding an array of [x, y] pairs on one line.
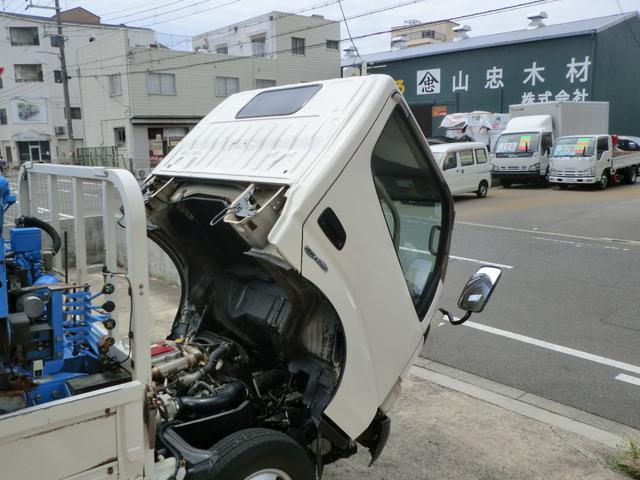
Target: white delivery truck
{"points": [[311, 228], [593, 160], [521, 154], [465, 166]]}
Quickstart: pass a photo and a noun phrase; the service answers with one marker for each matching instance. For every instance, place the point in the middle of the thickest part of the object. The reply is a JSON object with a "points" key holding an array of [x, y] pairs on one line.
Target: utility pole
{"points": [[65, 77]]}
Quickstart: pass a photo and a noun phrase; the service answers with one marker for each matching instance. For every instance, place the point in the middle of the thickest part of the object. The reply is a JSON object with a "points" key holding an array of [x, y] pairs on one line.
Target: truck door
{"points": [[467, 170], [451, 170], [375, 246], [546, 143]]}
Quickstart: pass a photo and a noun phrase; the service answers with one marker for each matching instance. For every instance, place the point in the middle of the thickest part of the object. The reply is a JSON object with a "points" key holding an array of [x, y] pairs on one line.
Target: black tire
{"points": [[483, 189], [505, 183], [604, 181], [248, 452], [631, 175]]}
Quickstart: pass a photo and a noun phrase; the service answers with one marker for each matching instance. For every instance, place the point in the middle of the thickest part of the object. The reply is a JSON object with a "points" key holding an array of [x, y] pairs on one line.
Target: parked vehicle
{"points": [[465, 166], [311, 228], [592, 159], [522, 151], [629, 144]]}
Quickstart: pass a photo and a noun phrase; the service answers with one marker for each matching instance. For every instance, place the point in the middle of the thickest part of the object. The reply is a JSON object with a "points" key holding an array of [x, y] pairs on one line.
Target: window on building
{"points": [[222, 50], [161, 83], [3, 116], [115, 85], [297, 46], [57, 76], [258, 46], [264, 83], [226, 86], [28, 73], [55, 40], [481, 155], [333, 45], [21, 36], [120, 137], [76, 113]]}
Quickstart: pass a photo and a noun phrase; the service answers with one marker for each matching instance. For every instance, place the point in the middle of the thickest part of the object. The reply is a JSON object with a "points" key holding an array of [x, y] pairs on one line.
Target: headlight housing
{"points": [[534, 167]]}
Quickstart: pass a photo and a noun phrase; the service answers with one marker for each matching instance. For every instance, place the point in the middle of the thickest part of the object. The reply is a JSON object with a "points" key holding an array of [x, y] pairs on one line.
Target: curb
{"points": [[591, 426]]}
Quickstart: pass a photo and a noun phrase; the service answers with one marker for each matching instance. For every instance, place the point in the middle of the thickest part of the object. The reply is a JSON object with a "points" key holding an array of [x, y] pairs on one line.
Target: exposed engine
{"points": [[54, 342], [254, 343]]}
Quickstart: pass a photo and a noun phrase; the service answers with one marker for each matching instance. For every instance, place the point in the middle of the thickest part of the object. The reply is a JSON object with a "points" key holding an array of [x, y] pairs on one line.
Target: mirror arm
{"points": [[452, 320]]}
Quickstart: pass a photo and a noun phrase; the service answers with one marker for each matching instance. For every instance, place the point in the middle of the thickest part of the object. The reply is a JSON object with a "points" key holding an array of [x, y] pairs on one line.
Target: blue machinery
{"points": [[53, 341]]}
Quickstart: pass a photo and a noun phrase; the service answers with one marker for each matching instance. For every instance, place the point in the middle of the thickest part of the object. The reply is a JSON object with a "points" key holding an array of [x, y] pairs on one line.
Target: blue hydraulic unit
{"points": [[54, 342]]}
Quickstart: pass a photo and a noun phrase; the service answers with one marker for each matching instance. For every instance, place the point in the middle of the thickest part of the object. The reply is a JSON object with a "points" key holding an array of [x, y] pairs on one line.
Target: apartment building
{"points": [[414, 33], [32, 119], [144, 100]]}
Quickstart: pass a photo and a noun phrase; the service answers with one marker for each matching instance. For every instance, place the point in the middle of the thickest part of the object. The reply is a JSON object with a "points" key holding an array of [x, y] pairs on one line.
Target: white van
{"points": [[465, 165]]}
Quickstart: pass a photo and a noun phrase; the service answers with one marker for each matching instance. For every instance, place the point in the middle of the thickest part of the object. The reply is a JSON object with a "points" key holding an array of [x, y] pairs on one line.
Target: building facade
{"points": [[32, 119], [144, 100], [577, 61], [414, 33]]}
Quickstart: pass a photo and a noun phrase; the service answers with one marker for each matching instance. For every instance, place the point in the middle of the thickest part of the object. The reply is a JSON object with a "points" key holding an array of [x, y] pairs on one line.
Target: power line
{"points": [[155, 7], [346, 24], [358, 37], [200, 2]]}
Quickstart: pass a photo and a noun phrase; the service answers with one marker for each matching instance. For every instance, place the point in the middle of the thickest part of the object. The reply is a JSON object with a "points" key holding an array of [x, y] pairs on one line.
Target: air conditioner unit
{"points": [[59, 130]]}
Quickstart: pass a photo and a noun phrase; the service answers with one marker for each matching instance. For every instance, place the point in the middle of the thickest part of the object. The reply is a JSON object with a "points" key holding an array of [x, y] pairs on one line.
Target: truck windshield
{"points": [[573, 147], [517, 144]]}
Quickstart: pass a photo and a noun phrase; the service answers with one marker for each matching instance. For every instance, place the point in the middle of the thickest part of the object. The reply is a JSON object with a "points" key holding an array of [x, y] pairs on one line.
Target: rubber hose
{"points": [[25, 221], [228, 396]]}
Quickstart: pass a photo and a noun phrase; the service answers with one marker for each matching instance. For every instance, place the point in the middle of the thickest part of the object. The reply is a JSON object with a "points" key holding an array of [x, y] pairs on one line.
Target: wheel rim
{"points": [[269, 474], [483, 190], [604, 180], [634, 175]]}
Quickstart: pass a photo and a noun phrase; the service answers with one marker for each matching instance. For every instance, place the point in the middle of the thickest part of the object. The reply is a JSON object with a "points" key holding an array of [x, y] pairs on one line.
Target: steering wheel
{"points": [[384, 195]]}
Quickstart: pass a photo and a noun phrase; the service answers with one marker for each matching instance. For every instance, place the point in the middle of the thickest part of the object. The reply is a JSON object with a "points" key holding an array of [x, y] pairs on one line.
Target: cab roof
{"points": [[278, 135]]}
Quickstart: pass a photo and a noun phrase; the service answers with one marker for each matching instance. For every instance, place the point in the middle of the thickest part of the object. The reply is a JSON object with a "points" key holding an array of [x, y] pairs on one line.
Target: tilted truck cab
{"points": [[310, 227]]}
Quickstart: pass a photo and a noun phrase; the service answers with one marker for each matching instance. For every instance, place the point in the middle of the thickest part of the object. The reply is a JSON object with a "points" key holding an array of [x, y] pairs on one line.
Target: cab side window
{"points": [[466, 158], [603, 146], [481, 155], [546, 143], [411, 198], [450, 162]]}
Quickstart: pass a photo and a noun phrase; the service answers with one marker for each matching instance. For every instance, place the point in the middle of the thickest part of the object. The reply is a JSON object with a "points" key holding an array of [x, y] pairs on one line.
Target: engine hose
{"points": [[228, 396], [25, 221]]}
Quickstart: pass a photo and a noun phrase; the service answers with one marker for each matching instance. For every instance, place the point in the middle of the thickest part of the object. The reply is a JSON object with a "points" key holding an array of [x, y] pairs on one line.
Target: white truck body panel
{"points": [[552, 118], [589, 169]]}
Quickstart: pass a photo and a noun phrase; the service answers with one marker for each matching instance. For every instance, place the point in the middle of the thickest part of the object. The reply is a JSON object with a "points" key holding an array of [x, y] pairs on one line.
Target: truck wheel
{"points": [[260, 454], [505, 183], [482, 189], [631, 175], [604, 181]]}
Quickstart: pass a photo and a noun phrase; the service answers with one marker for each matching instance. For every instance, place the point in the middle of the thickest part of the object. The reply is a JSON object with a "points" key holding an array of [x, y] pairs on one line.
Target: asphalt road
{"points": [[564, 321]]}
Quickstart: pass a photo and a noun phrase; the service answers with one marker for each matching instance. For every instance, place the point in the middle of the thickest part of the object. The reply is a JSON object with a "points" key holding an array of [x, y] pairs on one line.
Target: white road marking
{"points": [[464, 259], [552, 234], [581, 244], [628, 378], [482, 262], [556, 348]]}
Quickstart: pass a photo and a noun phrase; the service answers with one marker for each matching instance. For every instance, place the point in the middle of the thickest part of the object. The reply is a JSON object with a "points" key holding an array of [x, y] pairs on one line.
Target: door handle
{"points": [[463, 170]]}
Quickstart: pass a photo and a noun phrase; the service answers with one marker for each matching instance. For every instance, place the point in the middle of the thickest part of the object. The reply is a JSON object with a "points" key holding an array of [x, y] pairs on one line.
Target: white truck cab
{"points": [[465, 166], [592, 160], [310, 226], [521, 153]]}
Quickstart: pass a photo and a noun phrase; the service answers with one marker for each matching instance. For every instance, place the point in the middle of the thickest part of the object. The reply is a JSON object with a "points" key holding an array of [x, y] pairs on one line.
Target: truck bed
{"points": [[622, 159]]}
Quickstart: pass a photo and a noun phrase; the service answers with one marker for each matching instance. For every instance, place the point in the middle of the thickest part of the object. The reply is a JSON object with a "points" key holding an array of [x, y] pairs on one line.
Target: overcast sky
{"points": [[203, 15]]}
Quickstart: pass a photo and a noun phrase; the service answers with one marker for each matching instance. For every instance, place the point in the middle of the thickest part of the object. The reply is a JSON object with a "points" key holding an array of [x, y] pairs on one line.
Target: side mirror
{"points": [[478, 290], [476, 293]]}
